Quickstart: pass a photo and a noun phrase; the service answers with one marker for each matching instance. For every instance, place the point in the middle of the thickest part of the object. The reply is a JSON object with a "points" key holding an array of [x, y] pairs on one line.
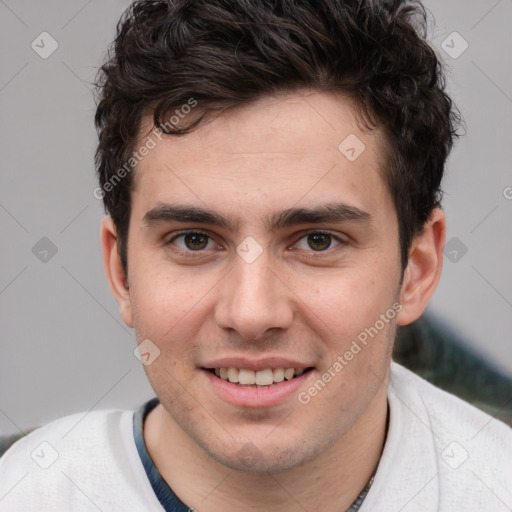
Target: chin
{"points": [[263, 457], [251, 460]]}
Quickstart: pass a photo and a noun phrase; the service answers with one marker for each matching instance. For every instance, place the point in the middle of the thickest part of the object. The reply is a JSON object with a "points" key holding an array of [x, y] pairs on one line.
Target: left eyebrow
{"points": [[327, 213]]}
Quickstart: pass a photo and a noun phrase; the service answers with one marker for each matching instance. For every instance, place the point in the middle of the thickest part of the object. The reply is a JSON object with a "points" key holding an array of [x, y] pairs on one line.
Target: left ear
{"points": [[423, 269]]}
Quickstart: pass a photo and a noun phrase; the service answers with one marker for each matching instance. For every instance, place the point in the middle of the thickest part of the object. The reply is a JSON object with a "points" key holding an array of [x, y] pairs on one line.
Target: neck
{"points": [[337, 475]]}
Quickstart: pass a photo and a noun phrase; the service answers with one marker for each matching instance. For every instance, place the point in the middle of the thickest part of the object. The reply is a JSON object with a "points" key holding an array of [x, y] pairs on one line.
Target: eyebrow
{"points": [[183, 213], [326, 213]]}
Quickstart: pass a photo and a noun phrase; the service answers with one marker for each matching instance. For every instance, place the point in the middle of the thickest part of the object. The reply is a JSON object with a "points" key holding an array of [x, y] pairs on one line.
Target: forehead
{"points": [[292, 148]]}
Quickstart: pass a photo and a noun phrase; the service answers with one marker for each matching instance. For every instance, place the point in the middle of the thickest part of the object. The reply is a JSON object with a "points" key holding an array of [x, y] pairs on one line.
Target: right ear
{"points": [[117, 279]]}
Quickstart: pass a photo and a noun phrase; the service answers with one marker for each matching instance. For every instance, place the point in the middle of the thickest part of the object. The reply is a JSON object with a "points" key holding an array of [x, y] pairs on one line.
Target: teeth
{"points": [[278, 375], [233, 375], [260, 378], [264, 377], [246, 377], [288, 373]]}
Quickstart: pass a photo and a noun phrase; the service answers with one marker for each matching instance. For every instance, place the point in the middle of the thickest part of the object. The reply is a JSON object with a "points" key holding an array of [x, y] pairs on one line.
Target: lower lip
{"points": [[257, 397]]}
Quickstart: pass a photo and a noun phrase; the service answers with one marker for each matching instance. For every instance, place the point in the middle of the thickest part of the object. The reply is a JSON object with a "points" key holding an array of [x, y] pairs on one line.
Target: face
{"points": [[256, 244]]}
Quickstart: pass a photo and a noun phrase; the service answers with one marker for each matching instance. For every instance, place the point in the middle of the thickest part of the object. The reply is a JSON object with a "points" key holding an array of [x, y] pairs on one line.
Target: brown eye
{"points": [[196, 241], [319, 241], [192, 241]]}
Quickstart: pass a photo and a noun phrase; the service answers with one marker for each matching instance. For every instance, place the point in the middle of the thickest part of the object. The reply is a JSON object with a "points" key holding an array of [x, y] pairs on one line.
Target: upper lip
{"points": [[255, 364]]}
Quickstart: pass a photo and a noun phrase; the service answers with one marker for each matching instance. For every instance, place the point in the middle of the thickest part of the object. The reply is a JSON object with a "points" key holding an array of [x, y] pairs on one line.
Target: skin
{"points": [[294, 300]]}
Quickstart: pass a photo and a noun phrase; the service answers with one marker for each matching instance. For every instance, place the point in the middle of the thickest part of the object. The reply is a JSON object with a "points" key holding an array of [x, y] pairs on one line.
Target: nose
{"points": [[254, 300]]}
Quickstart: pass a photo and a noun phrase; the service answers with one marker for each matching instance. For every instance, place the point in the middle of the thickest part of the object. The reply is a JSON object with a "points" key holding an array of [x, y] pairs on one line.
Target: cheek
{"points": [[162, 300], [349, 300]]}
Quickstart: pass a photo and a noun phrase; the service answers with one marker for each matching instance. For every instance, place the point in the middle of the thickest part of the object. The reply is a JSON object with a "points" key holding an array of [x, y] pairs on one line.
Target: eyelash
{"points": [[195, 254]]}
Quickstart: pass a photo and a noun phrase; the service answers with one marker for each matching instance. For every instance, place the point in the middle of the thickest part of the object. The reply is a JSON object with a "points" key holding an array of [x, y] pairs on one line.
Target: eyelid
{"points": [[175, 234], [184, 232], [337, 238]]}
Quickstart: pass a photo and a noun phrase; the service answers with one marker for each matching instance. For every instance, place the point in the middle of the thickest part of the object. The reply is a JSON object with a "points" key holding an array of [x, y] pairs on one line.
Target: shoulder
{"points": [[469, 452], [81, 431], [71, 462], [446, 412]]}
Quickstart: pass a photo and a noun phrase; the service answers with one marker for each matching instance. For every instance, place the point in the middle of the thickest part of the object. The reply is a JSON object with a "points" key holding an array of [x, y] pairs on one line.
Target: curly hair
{"points": [[224, 53]]}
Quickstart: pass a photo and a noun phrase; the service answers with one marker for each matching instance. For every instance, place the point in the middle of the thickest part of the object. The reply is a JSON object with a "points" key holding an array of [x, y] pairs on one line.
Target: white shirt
{"points": [[441, 454]]}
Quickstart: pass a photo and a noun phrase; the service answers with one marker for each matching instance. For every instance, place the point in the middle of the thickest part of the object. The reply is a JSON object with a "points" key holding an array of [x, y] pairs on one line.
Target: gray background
{"points": [[63, 345]]}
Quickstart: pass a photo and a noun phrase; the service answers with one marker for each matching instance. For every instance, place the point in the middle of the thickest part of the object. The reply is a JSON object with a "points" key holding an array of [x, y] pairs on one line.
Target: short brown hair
{"points": [[224, 53]]}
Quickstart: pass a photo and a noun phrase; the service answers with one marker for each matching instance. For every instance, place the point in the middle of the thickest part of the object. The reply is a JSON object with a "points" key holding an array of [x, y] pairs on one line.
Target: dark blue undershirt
{"points": [[169, 501]]}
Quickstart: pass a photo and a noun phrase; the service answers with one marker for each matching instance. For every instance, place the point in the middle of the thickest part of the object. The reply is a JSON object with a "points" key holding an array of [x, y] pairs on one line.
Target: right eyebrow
{"points": [[181, 213]]}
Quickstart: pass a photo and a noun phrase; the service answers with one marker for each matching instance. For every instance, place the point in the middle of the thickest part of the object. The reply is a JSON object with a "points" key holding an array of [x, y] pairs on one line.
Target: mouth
{"points": [[266, 378], [257, 383]]}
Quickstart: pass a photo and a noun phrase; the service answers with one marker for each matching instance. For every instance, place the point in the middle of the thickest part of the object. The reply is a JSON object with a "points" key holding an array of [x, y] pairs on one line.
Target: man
{"points": [[272, 176]]}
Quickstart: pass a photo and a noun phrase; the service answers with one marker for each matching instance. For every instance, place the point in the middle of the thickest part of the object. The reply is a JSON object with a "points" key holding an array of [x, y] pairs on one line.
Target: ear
{"points": [[116, 276], [423, 269]]}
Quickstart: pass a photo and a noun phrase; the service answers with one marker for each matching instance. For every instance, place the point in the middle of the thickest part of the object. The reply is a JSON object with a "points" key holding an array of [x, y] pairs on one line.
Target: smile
{"points": [[258, 388], [260, 378]]}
